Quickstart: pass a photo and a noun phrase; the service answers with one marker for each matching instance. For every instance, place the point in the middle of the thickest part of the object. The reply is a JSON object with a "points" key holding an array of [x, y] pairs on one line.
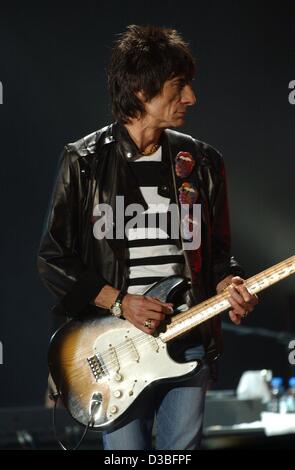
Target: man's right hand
{"points": [[139, 309]]}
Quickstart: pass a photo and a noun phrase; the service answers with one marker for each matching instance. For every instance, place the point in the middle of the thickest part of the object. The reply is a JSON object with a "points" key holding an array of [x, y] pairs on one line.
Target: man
{"points": [[139, 158]]}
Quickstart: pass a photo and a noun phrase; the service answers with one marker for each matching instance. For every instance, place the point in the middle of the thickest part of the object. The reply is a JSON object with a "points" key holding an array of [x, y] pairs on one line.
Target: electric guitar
{"points": [[101, 365]]}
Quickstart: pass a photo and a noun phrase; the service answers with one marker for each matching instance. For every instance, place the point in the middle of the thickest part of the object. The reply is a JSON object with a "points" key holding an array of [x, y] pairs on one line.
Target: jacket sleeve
{"points": [[224, 263], [59, 259]]}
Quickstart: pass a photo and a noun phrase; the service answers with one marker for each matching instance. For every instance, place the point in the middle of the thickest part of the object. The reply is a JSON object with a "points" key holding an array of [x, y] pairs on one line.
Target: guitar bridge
{"points": [[97, 366]]}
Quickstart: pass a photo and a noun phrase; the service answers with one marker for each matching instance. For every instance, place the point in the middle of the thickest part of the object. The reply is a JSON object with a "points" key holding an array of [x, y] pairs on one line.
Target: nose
{"points": [[188, 95]]}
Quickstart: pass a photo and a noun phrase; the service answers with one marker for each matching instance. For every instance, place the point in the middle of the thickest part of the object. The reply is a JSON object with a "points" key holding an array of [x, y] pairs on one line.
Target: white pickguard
{"points": [[133, 360]]}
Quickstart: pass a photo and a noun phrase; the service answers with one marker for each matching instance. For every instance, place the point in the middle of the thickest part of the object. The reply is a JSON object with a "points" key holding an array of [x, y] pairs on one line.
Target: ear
{"points": [[141, 96]]}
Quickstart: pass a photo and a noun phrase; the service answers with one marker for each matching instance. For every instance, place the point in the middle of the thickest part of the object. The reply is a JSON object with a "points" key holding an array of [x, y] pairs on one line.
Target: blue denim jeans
{"points": [[175, 409]]}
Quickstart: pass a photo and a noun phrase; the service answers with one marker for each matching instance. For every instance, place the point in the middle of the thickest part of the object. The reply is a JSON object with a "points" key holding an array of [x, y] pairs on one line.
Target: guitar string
{"points": [[255, 279], [125, 351], [144, 337]]}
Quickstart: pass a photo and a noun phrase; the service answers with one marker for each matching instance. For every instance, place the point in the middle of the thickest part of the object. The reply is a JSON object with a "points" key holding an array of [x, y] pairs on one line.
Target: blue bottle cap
{"points": [[276, 382]]}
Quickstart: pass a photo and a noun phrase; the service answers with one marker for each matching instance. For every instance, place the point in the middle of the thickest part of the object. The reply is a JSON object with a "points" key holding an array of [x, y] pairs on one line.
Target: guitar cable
{"points": [[55, 396]]}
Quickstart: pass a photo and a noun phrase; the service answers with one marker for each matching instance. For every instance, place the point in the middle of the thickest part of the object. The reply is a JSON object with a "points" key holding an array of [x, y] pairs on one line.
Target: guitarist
{"points": [[140, 158]]}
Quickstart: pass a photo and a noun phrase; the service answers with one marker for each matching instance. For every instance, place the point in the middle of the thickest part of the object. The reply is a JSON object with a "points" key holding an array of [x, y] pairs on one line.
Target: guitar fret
{"points": [[120, 361], [184, 322]]}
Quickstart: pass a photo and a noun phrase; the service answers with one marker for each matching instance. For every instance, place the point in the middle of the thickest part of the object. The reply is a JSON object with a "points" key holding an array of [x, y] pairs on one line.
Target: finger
{"points": [[237, 280], [146, 330], [242, 289], [149, 304], [156, 306], [153, 325], [253, 300], [153, 315], [159, 302], [256, 299], [137, 313], [239, 284], [237, 297], [150, 310], [155, 300], [249, 300], [234, 318], [238, 309]]}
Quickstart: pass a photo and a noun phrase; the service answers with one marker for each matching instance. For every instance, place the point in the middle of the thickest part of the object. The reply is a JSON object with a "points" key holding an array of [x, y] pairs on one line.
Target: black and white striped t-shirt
{"points": [[152, 254]]}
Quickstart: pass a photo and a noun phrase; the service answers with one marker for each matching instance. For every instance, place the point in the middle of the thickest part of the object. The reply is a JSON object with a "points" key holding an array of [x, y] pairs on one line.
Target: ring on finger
{"points": [[148, 324]]}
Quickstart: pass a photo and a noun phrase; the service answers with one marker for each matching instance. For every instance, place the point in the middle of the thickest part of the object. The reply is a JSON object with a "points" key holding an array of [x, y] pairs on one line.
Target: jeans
{"points": [[177, 409]]}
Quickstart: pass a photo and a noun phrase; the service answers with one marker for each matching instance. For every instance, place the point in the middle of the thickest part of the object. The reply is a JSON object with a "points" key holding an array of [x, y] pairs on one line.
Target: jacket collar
{"points": [[118, 133]]}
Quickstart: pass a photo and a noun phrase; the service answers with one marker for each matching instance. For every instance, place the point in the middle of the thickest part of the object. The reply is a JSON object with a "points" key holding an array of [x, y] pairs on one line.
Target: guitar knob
{"points": [[114, 409], [118, 377], [117, 393]]}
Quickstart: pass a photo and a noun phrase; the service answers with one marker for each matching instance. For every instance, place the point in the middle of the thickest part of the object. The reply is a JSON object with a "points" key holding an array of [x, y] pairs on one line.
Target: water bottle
{"points": [[290, 400], [266, 376], [277, 391]]}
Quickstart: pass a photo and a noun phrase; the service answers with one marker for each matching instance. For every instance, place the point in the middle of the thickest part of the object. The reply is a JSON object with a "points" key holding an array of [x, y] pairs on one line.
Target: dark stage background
{"points": [[52, 70]]}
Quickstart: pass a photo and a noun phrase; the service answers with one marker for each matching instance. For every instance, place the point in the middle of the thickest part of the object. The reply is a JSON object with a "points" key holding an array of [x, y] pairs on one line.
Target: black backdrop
{"points": [[52, 69]]}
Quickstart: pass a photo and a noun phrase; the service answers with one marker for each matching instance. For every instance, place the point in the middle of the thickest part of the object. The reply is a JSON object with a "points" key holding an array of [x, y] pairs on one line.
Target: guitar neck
{"points": [[198, 314]]}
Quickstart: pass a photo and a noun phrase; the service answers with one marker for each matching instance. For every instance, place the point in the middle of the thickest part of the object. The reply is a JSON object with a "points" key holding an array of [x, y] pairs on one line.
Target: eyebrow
{"points": [[179, 80]]}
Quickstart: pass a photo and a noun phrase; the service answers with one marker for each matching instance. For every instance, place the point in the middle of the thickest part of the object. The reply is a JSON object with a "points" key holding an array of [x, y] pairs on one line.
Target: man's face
{"points": [[168, 108]]}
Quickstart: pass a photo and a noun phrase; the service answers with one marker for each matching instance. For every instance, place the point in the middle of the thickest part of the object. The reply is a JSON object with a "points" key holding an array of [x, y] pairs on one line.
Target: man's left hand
{"points": [[241, 300]]}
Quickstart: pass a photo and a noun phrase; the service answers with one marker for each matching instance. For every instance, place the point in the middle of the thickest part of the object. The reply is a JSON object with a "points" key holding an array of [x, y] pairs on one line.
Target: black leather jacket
{"points": [[74, 265]]}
